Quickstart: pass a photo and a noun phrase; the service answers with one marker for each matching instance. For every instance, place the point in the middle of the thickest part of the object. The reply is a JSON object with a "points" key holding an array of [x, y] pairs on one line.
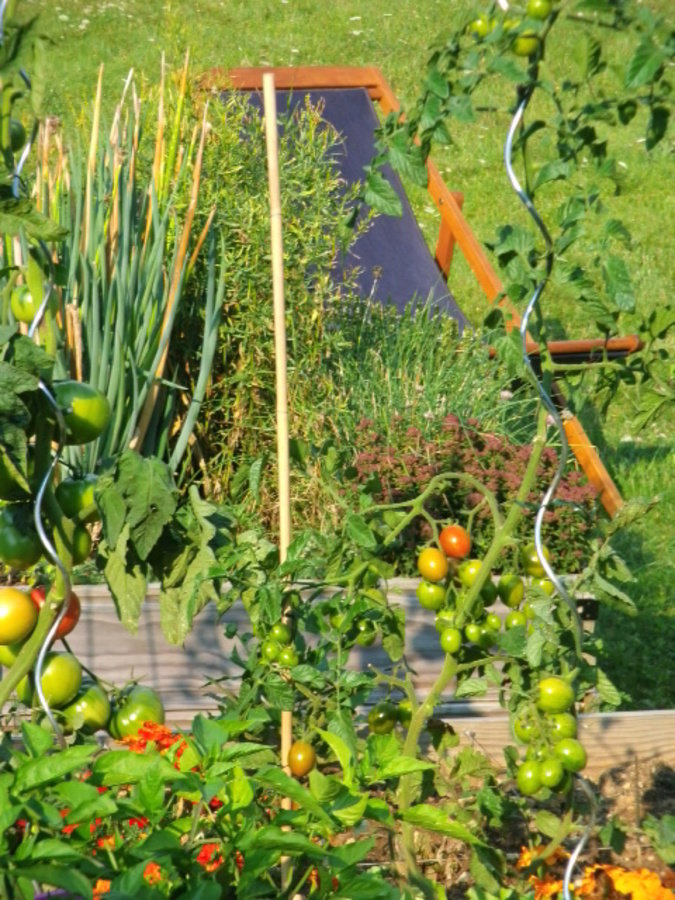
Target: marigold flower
{"points": [[209, 857], [546, 887], [152, 873], [102, 886], [641, 884]]}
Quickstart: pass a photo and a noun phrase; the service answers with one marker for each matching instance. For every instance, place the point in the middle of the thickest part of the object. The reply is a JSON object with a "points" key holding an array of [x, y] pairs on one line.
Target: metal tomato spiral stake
{"points": [[525, 95], [52, 553]]}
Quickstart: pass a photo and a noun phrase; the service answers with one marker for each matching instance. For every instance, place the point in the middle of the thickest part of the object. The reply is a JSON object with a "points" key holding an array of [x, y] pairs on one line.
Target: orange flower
{"points": [[641, 884], [102, 886], [107, 842], [239, 860], [529, 855], [209, 857], [152, 873], [546, 887]]}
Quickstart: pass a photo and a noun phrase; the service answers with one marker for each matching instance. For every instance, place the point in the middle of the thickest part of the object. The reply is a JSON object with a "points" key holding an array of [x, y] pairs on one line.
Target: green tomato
{"points": [[86, 411], [20, 546], [555, 695], [270, 650], [524, 729], [530, 561], [61, 679], [526, 44], [571, 754], [528, 777], [444, 619], [493, 622], [451, 640], [529, 611], [74, 495], [481, 26], [138, 704], [562, 725], [515, 619], [488, 593], [382, 717], [468, 571], [25, 690], [511, 589], [539, 9], [337, 620], [430, 595], [9, 652], [89, 711], [281, 633], [473, 632], [17, 135], [288, 657], [81, 544], [552, 771], [23, 305], [366, 632], [543, 584], [404, 712]]}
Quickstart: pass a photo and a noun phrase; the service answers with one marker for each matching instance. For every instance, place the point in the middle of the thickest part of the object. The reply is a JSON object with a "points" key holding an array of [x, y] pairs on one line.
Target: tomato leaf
{"points": [[289, 787], [46, 769], [359, 532], [618, 283], [644, 64], [401, 765], [435, 818], [124, 767], [36, 739], [345, 755], [20, 215], [126, 578]]}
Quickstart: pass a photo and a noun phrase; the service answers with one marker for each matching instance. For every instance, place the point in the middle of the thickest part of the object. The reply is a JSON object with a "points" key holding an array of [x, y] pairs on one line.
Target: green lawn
{"points": [[396, 37]]}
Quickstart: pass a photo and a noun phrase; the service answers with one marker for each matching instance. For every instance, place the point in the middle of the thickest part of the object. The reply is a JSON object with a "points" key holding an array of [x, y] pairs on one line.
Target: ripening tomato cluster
{"points": [[80, 703], [446, 572], [548, 727], [524, 41], [277, 646]]}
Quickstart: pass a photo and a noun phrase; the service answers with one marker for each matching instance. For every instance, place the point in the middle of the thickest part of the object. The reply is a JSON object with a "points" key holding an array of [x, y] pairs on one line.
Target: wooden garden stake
{"points": [[269, 98]]}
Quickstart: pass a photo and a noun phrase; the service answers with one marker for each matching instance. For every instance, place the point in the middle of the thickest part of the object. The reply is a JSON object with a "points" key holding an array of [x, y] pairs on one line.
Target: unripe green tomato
{"points": [[544, 585], [288, 657], [89, 711], [555, 695], [526, 44], [552, 771], [523, 729], [81, 544], [86, 411], [562, 725], [444, 619], [528, 609], [514, 619], [404, 712], [281, 633], [76, 494], [61, 679], [539, 9], [488, 593], [481, 26], [23, 305], [366, 632], [472, 632], [337, 620], [270, 650], [17, 135], [451, 640], [430, 595], [468, 571], [528, 777], [530, 560], [382, 717], [9, 653], [20, 546], [571, 754], [493, 622], [487, 636], [511, 589], [25, 690], [137, 705]]}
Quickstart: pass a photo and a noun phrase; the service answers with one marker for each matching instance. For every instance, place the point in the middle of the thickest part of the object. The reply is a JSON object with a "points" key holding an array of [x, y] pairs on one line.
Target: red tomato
{"points": [[70, 619], [455, 541]]}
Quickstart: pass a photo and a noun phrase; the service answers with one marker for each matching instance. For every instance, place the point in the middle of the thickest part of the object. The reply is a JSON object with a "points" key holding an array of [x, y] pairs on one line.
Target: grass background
{"points": [[396, 37]]}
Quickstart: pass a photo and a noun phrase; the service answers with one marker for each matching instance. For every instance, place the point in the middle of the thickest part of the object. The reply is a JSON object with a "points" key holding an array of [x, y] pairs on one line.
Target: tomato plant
{"points": [[432, 564], [72, 615], [551, 771], [530, 560], [511, 589], [539, 9], [468, 571], [86, 411], [281, 633], [288, 657], [526, 43], [455, 541], [366, 632], [17, 615], [136, 705], [301, 758], [528, 777], [563, 725], [451, 640], [571, 754]]}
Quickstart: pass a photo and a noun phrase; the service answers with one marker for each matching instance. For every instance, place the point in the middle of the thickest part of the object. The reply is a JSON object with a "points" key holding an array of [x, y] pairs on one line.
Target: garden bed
{"points": [[186, 677]]}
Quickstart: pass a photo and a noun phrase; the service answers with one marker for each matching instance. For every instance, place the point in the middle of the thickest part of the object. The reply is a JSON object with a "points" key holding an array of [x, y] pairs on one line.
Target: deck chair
{"points": [[393, 258]]}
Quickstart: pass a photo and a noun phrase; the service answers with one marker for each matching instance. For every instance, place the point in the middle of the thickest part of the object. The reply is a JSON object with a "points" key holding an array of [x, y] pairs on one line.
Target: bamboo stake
{"points": [[283, 463]]}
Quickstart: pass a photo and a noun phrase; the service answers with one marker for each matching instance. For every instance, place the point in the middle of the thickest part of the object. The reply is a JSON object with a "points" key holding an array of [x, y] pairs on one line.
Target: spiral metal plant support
{"points": [[525, 95]]}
